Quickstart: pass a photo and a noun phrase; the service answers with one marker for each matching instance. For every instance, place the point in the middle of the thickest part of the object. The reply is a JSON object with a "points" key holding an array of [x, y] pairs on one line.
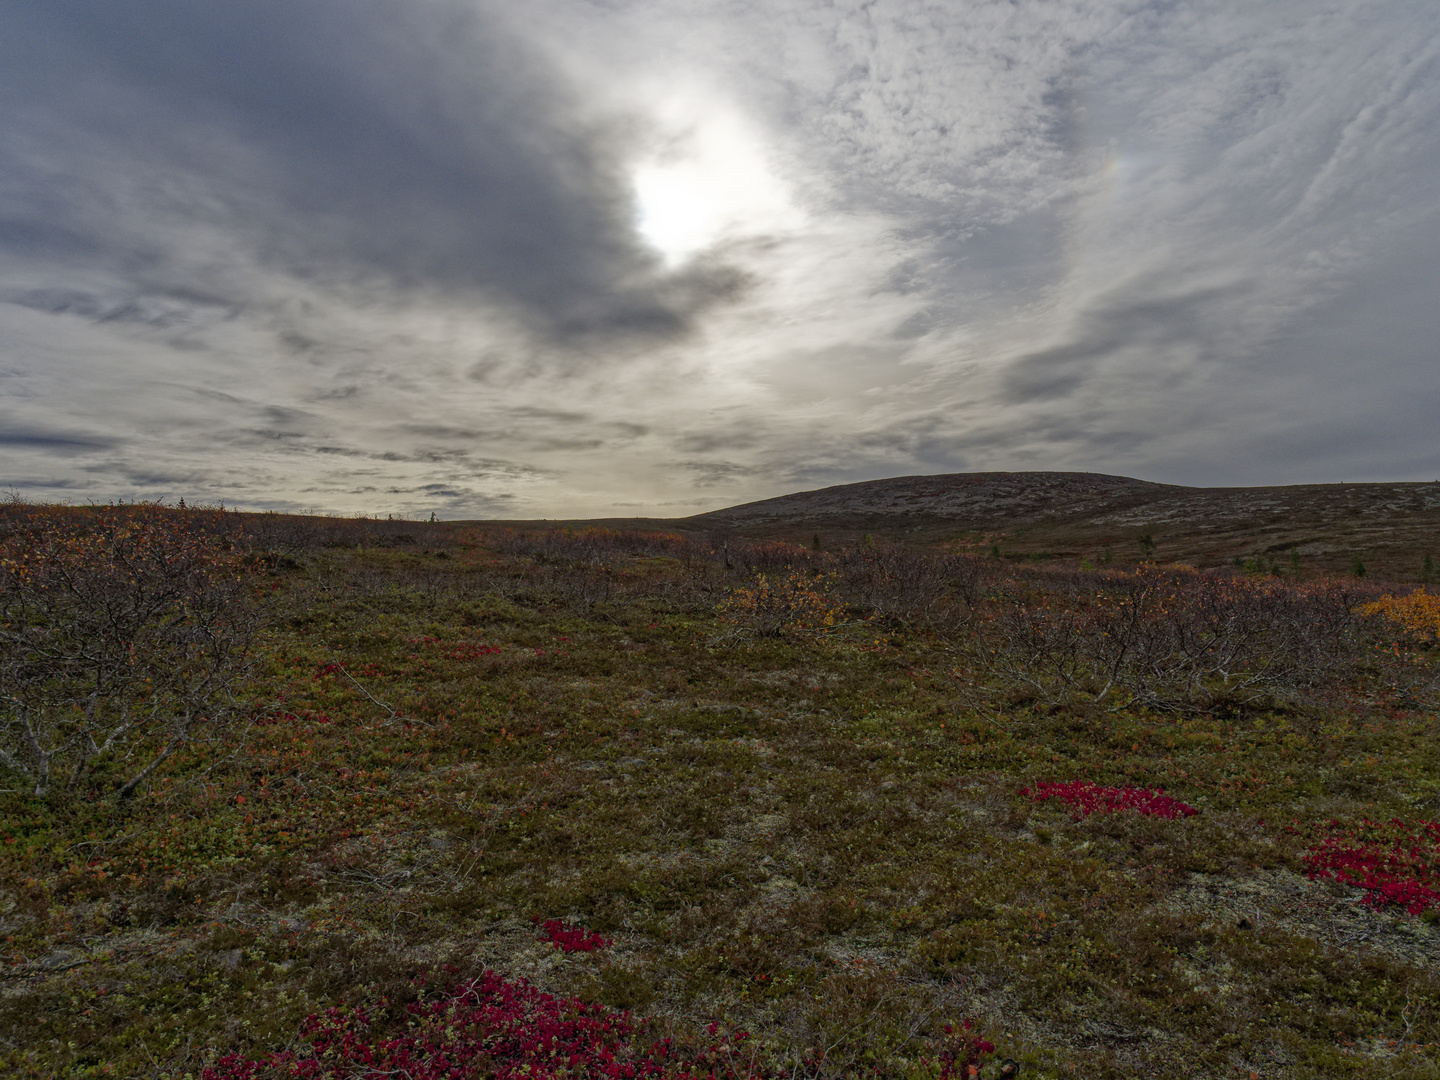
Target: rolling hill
{"points": [[1390, 527]]}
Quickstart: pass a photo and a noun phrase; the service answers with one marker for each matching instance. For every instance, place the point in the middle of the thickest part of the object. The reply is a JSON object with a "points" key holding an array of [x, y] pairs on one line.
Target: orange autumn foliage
{"points": [[1418, 613]]}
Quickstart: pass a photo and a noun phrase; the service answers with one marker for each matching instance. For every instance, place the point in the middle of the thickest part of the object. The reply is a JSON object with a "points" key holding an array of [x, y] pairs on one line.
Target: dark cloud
{"points": [[423, 146], [536, 412], [711, 473], [279, 414], [1125, 320], [54, 441], [23, 485], [442, 431], [535, 428], [736, 437], [160, 309], [151, 479]]}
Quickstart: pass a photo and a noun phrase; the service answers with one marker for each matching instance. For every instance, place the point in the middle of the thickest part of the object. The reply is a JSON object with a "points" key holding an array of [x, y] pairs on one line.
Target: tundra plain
{"points": [[1110, 780]]}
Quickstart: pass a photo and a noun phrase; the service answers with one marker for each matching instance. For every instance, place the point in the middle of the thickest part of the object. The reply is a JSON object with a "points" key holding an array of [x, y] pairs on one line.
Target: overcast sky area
{"points": [[565, 258]]}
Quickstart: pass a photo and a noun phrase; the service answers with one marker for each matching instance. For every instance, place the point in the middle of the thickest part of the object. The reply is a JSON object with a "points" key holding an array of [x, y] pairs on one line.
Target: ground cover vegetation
{"points": [[289, 797]]}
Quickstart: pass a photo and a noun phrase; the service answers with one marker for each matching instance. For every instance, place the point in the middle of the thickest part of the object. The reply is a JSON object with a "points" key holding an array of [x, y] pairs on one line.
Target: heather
{"points": [[405, 798]]}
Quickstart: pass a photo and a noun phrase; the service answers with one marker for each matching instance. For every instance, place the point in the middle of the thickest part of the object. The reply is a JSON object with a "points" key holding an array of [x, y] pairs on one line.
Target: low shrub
{"points": [[773, 605], [1418, 614], [1174, 639], [964, 1050], [126, 634]]}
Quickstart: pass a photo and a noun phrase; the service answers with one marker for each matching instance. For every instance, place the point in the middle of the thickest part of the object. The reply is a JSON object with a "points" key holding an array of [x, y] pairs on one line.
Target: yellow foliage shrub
{"points": [[775, 604], [1418, 613]]}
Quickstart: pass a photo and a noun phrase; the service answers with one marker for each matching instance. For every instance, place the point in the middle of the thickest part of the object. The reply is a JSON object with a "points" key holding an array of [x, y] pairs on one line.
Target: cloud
{"points": [[329, 252], [96, 308], [709, 473], [53, 441], [403, 147], [1129, 319]]}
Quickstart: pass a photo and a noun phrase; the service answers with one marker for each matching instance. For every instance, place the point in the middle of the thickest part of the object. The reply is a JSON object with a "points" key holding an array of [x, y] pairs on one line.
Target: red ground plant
{"points": [[571, 939], [1086, 798], [489, 1027], [1395, 863], [963, 1052]]}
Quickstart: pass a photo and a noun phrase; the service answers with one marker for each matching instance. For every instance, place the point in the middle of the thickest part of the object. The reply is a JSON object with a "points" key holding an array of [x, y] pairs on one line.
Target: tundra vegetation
{"points": [[290, 797]]}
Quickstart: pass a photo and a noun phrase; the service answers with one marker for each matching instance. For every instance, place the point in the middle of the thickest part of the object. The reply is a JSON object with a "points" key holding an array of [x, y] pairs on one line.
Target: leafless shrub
{"points": [[911, 587], [585, 568], [749, 558], [125, 634], [1175, 639], [596, 546], [290, 536]]}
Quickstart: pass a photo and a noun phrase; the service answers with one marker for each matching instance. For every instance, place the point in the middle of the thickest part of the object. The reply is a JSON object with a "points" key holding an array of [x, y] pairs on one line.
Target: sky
{"points": [[576, 258]]}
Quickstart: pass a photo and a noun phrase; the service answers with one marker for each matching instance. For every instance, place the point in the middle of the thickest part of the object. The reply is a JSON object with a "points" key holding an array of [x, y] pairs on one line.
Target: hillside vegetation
{"points": [[290, 797], [1391, 528]]}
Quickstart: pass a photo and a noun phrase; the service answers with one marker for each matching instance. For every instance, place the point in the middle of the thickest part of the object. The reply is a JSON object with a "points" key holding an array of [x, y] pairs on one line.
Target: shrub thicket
{"points": [[125, 634]]}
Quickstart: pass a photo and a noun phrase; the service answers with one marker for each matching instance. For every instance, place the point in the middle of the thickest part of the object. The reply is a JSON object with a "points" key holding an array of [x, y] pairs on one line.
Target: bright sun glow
{"points": [[711, 182]]}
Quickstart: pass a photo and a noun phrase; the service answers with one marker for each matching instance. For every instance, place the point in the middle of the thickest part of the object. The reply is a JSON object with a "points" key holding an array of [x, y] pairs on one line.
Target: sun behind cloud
{"points": [[710, 180]]}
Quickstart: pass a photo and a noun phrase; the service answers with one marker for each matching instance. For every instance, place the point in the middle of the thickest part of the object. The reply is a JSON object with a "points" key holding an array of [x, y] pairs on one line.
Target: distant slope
{"points": [[1390, 527], [970, 500]]}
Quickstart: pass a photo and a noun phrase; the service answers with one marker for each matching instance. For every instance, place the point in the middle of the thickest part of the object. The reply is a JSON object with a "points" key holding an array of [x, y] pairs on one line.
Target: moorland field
{"points": [[1108, 781]]}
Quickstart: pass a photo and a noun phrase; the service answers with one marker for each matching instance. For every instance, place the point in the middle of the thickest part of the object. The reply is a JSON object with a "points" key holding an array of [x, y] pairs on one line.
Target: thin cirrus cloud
{"points": [[458, 256]]}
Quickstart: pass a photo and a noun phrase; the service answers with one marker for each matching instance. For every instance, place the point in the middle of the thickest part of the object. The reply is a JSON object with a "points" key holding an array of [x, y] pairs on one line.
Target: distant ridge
{"points": [[974, 500], [1330, 528]]}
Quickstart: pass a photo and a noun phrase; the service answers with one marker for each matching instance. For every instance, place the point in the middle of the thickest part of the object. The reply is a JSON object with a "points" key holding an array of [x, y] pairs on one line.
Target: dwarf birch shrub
{"points": [[1417, 614], [1175, 639], [125, 634], [772, 605], [595, 545], [912, 588]]}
